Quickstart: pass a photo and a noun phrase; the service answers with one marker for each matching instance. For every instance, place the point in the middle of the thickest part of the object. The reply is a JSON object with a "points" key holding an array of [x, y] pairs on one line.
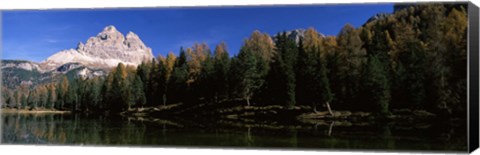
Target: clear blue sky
{"points": [[35, 35]]}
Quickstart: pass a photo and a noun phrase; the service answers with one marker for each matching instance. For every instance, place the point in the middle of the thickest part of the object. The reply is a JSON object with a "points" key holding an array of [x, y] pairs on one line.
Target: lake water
{"points": [[69, 129]]}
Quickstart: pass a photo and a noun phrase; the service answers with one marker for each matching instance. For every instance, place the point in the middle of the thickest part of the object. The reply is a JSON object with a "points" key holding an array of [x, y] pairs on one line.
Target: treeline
{"points": [[414, 58]]}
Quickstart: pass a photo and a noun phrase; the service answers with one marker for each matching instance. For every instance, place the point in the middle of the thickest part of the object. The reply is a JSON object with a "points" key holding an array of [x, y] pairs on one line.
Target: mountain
{"points": [[295, 34], [103, 51], [30, 74], [378, 16], [94, 58]]}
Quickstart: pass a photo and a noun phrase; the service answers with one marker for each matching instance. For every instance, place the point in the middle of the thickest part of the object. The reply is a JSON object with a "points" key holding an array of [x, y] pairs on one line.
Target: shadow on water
{"points": [[69, 129]]}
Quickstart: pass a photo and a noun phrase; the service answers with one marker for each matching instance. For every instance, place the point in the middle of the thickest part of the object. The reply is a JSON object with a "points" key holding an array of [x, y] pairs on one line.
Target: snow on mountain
{"points": [[105, 50]]}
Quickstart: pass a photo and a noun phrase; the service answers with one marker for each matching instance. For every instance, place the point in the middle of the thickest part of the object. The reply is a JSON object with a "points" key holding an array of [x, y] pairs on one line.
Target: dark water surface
{"points": [[69, 129]]}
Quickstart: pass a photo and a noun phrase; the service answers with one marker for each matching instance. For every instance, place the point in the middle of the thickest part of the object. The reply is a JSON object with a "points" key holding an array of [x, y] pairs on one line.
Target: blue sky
{"points": [[36, 34]]}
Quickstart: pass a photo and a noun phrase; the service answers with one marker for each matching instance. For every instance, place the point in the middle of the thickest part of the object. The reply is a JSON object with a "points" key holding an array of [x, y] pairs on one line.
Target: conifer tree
{"points": [[138, 93], [376, 86], [221, 69], [250, 78], [281, 78], [351, 58], [177, 84], [16, 100]]}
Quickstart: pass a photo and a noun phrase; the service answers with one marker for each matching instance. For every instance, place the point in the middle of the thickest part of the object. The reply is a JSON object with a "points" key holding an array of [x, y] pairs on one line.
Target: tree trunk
{"points": [[329, 109], [315, 108], [164, 99]]}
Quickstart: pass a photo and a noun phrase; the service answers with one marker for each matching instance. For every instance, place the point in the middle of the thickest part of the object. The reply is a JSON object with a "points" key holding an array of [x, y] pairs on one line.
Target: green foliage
{"points": [[376, 86], [24, 101], [119, 90], [139, 97], [16, 100], [350, 59], [50, 98], [177, 83], [220, 72], [313, 86], [281, 82], [250, 73]]}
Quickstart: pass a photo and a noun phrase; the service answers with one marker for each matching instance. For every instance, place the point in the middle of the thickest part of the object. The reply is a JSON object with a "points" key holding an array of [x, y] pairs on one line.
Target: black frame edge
{"points": [[473, 49]]}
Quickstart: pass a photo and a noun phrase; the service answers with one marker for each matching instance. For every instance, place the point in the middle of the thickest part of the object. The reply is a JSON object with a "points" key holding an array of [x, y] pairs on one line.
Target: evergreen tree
{"points": [[376, 86], [106, 92], [351, 58], [43, 96], [61, 90], [177, 84], [161, 79], [96, 98], [5, 97], [313, 86], [119, 89], [143, 71], [71, 96], [154, 98], [206, 82], [50, 97], [281, 78], [253, 64], [138, 93], [249, 74], [33, 99], [24, 101], [221, 69], [324, 90], [16, 100]]}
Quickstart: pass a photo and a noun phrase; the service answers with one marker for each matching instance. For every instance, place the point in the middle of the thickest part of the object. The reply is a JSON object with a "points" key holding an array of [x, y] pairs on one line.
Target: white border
{"points": [[86, 4], [58, 4]]}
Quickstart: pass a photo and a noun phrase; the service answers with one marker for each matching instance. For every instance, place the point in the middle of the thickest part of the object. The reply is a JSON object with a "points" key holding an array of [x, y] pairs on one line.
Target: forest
{"points": [[414, 58]]}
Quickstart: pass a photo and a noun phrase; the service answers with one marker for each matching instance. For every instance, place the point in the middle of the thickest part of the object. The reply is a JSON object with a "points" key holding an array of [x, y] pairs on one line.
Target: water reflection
{"points": [[99, 130]]}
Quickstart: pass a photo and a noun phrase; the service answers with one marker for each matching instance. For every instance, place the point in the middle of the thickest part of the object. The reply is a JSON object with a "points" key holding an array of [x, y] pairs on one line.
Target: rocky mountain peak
{"points": [[110, 33], [110, 28], [295, 34], [131, 35], [378, 16], [105, 50]]}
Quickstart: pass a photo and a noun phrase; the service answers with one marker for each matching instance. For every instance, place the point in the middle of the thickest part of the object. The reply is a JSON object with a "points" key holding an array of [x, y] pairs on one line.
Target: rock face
{"points": [[92, 59], [378, 16], [295, 34], [19, 72], [105, 50], [25, 65]]}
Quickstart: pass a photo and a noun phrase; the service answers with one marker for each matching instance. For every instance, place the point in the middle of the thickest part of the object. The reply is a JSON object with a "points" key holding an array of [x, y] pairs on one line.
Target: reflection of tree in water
{"points": [[97, 130], [330, 128], [327, 131], [68, 129], [248, 138], [294, 138], [387, 136]]}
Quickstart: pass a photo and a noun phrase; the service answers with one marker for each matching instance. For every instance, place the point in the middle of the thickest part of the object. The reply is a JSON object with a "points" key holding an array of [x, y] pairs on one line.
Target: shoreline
{"points": [[280, 114], [25, 111]]}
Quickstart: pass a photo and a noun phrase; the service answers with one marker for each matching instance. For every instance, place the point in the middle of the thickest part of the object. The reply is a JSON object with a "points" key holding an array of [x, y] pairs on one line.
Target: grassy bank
{"points": [[231, 111]]}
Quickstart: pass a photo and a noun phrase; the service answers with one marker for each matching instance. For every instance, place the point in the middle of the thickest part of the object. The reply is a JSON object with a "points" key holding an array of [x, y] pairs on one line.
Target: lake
{"points": [[71, 129]]}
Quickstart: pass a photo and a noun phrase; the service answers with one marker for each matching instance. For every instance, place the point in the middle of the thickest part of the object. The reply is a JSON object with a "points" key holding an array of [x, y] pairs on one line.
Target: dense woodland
{"points": [[414, 58]]}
